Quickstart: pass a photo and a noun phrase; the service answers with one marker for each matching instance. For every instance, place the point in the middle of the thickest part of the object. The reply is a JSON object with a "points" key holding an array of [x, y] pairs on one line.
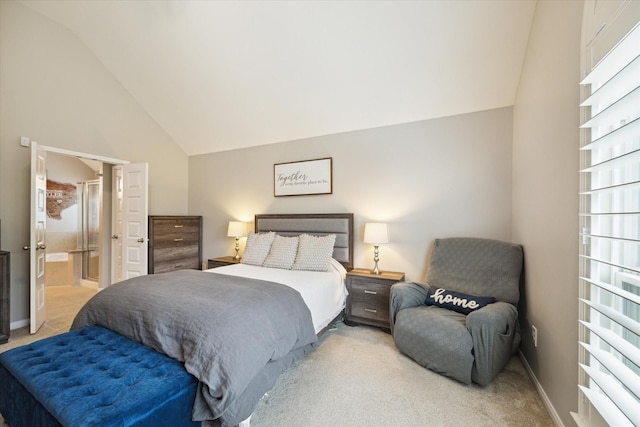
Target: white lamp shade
{"points": [[376, 233], [237, 229]]}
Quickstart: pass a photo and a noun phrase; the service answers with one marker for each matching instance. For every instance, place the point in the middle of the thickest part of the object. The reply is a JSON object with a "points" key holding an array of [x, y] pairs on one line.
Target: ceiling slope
{"points": [[220, 75]]}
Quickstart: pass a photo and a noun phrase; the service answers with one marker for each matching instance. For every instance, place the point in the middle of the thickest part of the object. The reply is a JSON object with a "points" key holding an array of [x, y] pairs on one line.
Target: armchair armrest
{"points": [[406, 295], [493, 329]]}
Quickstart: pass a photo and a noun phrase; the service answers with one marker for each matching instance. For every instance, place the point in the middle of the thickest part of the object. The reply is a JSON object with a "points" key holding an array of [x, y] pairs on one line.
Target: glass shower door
{"points": [[91, 229]]}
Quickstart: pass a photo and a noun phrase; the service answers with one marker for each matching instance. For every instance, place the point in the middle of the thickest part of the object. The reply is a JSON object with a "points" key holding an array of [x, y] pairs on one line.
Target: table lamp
{"points": [[376, 233], [237, 229]]}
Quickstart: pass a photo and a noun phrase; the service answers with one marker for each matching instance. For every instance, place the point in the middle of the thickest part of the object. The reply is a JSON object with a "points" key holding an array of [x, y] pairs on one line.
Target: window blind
{"points": [[609, 329]]}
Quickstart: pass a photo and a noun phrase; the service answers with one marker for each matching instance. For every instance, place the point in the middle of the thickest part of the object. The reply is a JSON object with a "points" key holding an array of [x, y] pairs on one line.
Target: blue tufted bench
{"points": [[93, 377]]}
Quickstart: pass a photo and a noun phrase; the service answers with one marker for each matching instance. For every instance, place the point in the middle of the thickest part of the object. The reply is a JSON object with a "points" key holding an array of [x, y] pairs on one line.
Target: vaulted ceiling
{"points": [[219, 75]]}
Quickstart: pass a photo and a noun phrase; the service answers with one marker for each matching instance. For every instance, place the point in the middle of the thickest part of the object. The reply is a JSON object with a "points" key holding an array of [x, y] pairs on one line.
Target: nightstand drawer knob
{"points": [[370, 292], [370, 310], [178, 240]]}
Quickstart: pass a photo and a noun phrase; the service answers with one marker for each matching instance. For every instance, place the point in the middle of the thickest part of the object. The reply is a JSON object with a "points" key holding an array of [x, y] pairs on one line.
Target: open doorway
{"points": [[74, 216]]}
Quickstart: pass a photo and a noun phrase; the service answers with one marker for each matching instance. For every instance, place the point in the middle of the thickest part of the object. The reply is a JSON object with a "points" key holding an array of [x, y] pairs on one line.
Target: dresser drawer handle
{"points": [[178, 240], [178, 226], [370, 292], [177, 266], [370, 310]]}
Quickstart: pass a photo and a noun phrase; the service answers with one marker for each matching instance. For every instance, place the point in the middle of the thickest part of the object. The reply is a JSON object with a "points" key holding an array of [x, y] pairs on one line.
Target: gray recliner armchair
{"points": [[444, 327]]}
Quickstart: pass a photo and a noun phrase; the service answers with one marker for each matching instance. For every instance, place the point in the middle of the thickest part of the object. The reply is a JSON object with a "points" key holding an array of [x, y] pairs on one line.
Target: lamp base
{"points": [[375, 269], [237, 257]]}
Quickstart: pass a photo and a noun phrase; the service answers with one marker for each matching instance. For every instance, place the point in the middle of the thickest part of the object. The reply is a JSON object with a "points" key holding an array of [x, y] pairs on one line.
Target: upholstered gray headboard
{"points": [[318, 224]]}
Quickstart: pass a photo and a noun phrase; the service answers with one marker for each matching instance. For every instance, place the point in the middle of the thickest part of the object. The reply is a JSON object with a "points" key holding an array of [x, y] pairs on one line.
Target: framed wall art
{"points": [[306, 177]]}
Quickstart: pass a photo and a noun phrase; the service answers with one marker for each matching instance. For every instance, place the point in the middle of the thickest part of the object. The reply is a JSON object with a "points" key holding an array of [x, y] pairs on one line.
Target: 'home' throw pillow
{"points": [[456, 301]]}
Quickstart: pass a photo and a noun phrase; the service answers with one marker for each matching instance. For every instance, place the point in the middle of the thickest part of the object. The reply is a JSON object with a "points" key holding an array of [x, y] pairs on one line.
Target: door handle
{"points": [[114, 237], [41, 247], [140, 240], [26, 247]]}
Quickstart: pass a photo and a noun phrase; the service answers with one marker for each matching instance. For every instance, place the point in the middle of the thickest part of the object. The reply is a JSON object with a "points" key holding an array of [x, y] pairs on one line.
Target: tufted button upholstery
{"points": [[95, 377]]}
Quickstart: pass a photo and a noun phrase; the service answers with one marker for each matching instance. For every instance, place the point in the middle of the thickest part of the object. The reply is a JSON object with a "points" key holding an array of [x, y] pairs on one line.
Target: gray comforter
{"points": [[234, 334]]}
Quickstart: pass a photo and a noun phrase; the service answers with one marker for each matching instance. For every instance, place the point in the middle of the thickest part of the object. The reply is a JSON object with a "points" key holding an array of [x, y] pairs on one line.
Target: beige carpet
{"points": [[356, 377]]}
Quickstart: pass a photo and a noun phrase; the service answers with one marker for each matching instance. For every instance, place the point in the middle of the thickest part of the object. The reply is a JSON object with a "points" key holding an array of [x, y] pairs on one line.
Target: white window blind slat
{"points": [[614, 162], [613, 365], [628, 132], [621, 109], [614, 61], [613, 89], [614, 290], [626, 186], [619, 264], [629, 351], [607, 409], [617, 317], [628, 406]]}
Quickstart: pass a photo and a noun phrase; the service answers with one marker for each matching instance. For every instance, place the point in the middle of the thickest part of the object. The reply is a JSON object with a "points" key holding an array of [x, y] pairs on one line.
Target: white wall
{"points": [[545, 198], [435, 178], [53, 90]]}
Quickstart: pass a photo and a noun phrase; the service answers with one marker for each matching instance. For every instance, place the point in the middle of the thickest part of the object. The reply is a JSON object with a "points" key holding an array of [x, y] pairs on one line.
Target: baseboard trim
{"points": [[545, 399], [19, 324]]}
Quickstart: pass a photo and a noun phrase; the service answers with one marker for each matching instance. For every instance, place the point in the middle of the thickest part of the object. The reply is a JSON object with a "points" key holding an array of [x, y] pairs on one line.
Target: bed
{"points": [[233, 329]]}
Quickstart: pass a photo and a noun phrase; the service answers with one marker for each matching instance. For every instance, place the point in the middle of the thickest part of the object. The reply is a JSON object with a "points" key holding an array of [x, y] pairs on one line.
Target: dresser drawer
{"points": [[169, 254], [169, 233], [177, 264]]}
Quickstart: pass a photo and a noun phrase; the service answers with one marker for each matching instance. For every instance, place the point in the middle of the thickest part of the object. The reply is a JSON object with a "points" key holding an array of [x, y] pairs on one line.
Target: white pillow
{"points": [[283, 252], [314, 252], [257, 247]]}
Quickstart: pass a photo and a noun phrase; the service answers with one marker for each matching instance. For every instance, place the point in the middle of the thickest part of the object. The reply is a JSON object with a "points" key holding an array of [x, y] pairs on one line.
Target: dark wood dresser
{"points": [[175, 243], [5, 297]]}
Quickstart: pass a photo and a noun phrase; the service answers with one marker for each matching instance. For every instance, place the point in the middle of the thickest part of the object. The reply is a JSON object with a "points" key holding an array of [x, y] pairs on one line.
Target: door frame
{"points": [[77, 154]]}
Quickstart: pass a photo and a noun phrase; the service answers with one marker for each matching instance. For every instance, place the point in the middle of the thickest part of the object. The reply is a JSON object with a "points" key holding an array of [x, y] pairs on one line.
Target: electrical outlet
{"points": [[534, 335]]}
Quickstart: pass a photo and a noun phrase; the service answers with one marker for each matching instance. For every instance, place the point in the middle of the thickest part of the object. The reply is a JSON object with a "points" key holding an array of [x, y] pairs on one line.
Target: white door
{"points": [[134, 219], [37, 243]]}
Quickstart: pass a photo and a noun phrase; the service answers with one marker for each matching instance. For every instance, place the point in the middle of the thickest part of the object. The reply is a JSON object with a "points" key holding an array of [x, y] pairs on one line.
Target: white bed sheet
{"points": [[324, 292]]}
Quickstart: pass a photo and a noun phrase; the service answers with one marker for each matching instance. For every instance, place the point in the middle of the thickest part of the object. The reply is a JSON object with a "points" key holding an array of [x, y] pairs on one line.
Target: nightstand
{"points": [[222, 261], [368, 300]]}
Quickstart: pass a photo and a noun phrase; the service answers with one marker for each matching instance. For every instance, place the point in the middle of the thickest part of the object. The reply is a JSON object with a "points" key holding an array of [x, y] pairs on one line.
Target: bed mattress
{"points": [[93, 377]]}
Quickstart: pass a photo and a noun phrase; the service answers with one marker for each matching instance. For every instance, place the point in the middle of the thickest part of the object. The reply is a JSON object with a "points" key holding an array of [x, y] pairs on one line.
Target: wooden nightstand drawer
{"points": [[178, 264], [221, 262], [368, 300]]}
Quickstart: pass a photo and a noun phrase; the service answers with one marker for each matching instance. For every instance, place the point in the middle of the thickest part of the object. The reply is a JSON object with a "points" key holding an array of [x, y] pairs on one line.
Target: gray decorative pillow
{"points": [[283, 252], [314, 252], [257, 247]]}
